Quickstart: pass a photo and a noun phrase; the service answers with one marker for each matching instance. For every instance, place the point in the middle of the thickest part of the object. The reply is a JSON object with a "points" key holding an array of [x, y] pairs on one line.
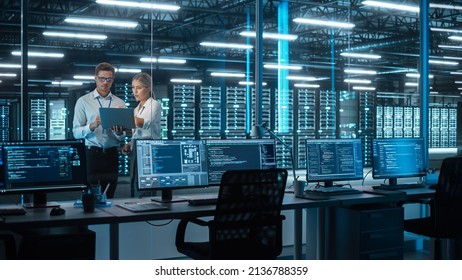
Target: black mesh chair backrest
{"points": [[247, 219], [447, 208]]}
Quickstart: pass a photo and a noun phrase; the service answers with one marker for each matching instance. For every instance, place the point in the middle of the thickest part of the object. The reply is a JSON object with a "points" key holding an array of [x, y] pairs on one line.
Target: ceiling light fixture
{"points": [[39, 54], [455, 38], [306, 85], [360, 71], [163, 60], [363, 88], [8, 75], [301, 78], [105, 22], [10, 65], [445, 30], [357, 81], [83, 77], [127, 70], [186, 81], [226, 45], [327, 23], [266, 35], [75, 35], [70, 83], [442, 62], [227, 74], [278, 66], [417, 75], [391, 6], [360, 55], [139, 5], [444, 6], [449, 47], [410, 84], [245, 83]]}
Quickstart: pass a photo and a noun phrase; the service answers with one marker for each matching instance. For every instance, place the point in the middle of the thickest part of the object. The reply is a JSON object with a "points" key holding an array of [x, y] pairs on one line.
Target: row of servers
{"points": [[219, 112]]}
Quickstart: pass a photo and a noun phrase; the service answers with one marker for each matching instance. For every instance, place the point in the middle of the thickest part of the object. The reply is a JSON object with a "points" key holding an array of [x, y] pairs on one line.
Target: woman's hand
{"points": [[126, 149]]}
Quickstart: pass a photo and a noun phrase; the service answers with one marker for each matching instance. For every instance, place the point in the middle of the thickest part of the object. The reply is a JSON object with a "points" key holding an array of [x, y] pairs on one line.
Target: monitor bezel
{"points": [[238, 141], [79, 182], [329, 181], [166, 192], [393, 177]]}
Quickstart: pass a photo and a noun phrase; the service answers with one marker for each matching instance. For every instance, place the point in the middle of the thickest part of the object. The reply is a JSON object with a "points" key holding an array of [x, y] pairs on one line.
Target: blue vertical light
{"points": [[283, 59], [248, 98]]}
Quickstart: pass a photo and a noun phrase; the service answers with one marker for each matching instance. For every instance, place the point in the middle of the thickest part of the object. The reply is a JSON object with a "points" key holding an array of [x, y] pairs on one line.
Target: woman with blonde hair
{"points": [[147, 119]]}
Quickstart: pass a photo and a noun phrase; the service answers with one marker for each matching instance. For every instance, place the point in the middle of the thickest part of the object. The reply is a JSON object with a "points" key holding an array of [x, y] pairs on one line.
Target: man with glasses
{"points": [[101, 153]]}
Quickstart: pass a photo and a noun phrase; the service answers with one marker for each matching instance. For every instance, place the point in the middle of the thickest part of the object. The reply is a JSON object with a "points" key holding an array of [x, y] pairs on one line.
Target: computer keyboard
{"points": [[144, 206], [332, 191], [12, 211], [312, 196], [399, 187]]}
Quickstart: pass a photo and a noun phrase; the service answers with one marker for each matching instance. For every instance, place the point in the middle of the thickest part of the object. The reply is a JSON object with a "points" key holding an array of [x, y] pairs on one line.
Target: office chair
{"points": [[247, 222], [445, 220], [8, 243]]}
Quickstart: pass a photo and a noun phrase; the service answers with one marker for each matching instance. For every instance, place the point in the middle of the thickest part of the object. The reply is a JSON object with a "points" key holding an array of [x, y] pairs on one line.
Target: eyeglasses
{"points": [[104, 79]]}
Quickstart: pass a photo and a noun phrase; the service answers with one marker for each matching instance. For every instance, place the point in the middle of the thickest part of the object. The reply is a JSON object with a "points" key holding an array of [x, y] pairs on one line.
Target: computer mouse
{"points": [[57, 211]]}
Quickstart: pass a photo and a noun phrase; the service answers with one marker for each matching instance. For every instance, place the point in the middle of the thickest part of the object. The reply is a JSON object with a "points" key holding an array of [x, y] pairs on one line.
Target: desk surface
{"points": [[114, 214]]}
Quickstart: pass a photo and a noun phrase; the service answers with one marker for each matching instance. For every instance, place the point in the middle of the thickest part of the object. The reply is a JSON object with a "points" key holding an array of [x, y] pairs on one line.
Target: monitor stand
{"points": [[39, 200], [167, 197]]}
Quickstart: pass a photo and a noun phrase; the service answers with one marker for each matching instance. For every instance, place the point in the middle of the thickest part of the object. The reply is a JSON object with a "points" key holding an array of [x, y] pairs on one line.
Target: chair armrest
{"points": [[181, 229]]}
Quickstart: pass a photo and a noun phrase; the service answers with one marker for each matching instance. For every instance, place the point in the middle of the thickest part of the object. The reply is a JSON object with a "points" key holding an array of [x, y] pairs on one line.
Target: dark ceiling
{"points": [[395, 35]]}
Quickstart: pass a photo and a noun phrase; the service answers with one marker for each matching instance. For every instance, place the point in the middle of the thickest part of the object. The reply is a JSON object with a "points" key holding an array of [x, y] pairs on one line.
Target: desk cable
{"points": [[159, 225], [364, 178]]}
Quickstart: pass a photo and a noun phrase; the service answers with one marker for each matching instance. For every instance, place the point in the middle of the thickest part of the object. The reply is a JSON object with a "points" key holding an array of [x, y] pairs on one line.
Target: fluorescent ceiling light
{"points": [[409, 84], [277, 66], [306, 85], [456, 73], [452, 57], [360, 71], [71, 83], [139, 5], [75, 35], [357, 81], [455, 38], [457, 82], [127, 70], [444, 6], [39, 54], [266, 35], [449, 47], [227, 74], [8, 75], [327, 23], [84, 77], [186, 81], [226, 45], [442, 62], [417, 75], [245, 83], [363, 88], [10, 65], [391, 6], [445, 30], [360, 55], [300, 78], [105, 22], [163, 60]]}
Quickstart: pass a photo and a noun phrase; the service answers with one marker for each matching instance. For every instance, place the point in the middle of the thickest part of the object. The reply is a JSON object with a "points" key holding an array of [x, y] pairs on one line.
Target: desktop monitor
{"points": [[166, 165], [39, 167], [238, 154], [394, 158], [330, 160]]}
